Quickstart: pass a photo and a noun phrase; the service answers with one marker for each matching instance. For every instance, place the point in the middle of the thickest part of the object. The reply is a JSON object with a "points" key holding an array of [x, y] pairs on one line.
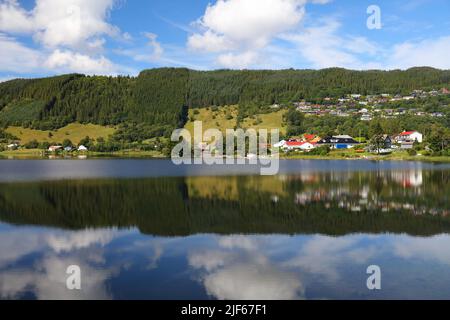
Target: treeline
{"points": [[158, 99]]}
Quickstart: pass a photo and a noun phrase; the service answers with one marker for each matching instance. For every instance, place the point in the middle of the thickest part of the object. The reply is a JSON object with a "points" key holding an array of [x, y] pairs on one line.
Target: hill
{"points": [[157, 101]]}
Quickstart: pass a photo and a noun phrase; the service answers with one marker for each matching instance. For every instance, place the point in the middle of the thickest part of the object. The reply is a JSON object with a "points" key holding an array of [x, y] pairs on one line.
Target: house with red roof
{"points": [[409, 136], [298, 145]]}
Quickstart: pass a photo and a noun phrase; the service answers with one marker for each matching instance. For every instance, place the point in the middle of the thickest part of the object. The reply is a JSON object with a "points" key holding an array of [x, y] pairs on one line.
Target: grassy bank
{"points": [[41, 154], [334, 155]]}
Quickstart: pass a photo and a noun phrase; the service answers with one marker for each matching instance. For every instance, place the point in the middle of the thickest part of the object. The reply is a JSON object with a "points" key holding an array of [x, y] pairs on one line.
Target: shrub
{"points": [[412, 152], [34, 144]]}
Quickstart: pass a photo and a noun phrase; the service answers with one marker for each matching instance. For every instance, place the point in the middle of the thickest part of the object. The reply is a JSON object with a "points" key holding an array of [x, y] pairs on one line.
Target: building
{"points": [[387, 140], [82, 148], [13, 146], [407, 145], [409, 136], [297, 145], [339, 142], [55, 148]]}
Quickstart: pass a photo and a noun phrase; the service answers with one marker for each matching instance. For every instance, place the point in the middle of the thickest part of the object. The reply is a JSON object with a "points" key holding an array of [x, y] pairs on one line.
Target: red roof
{"points": [[294, 143], [309, 136], [407, 133]]}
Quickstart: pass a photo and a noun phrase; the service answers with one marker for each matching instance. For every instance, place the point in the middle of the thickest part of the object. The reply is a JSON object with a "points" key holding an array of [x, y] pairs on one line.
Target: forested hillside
{"points": [[157, 100]]}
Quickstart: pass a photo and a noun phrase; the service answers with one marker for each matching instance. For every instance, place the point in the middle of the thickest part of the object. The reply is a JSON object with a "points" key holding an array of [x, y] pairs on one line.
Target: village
{"points": [[308, 142], [371, 106]]}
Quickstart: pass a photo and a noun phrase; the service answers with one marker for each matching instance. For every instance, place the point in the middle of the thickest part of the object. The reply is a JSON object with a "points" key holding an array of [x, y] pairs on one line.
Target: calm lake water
{"points": [[146, 229]]}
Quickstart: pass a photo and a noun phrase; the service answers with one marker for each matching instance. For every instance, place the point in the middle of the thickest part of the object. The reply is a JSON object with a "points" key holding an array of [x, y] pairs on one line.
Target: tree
{"points": [[86, 142], [34, 144], [294, 120], [377, 136], [439, 139], [67, 143]]}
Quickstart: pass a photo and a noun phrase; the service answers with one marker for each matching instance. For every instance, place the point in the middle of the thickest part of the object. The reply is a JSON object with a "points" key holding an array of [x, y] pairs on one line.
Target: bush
{"points": [[44, 145], [412, 152], [196, 112], [320, 151], [34, 144]]}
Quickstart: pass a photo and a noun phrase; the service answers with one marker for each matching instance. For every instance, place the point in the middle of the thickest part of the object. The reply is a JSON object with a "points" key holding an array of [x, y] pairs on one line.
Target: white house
{"points": [[82, 148], [307, 146], [298, 145], [280, 144], [54, 148], [410, 136]]}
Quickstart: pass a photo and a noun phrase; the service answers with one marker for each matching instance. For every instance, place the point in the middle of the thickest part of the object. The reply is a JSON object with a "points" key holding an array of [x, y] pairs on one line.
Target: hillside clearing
{"points": [[75, 132]]}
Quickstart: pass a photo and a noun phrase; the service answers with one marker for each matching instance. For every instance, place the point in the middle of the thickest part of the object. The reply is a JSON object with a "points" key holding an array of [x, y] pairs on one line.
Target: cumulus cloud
{"points": [[56, 23], [66, 61], [14, 18], [239, 28], [248, 23], [71, 35]]}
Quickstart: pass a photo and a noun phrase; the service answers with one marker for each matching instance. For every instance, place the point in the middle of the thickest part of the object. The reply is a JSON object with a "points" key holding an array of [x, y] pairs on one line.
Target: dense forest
{"points": [[157, 100]]}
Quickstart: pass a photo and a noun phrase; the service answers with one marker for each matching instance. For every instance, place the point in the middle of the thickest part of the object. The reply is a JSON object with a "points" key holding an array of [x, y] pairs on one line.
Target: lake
{"points": [[146, 229]]}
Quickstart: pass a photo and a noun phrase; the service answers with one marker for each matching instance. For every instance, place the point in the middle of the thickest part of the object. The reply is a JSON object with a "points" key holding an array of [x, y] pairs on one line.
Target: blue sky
{"points": [[47, 37]]}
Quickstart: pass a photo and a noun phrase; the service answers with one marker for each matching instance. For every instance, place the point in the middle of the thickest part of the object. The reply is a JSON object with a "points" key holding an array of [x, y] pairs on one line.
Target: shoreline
{"points": [[39, 155]]}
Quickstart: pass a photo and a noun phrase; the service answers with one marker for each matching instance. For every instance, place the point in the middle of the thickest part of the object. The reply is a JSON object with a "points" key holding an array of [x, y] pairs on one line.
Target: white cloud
{"points": [[240, 270], [156, 48], [322, 255], [17, 57], [67, 61], [210, 42], [253, 282], [53, 23], [240, 28], [433, 248], [70, 35], [239, 60], [81, 239], [428, 52], [13, 18], [48, 280], [323, 46]]}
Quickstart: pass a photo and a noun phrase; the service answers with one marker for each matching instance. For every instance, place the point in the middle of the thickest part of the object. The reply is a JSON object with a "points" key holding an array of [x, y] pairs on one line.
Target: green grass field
{"points": [[273, 120], [75, 132], [221, 119]]}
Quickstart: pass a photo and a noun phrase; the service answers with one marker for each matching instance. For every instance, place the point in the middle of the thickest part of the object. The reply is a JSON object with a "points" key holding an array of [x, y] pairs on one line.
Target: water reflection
{"points": [[33, 263], [307, 235], [411, 201]]}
